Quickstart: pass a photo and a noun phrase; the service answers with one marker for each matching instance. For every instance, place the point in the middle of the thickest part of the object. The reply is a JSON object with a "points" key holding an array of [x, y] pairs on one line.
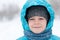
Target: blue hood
{"points": [[37, 2]]}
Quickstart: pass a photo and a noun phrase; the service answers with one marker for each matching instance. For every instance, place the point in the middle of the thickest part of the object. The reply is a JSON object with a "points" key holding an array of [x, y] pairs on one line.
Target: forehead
{"points": [[37, 17]]}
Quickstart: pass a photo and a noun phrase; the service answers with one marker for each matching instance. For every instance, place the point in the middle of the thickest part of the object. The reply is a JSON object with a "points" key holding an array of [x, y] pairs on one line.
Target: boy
{"points": [[37, 20]]}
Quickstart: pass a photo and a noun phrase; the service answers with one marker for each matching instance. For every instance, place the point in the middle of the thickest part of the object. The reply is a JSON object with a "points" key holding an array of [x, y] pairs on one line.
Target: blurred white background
{"points": [[12, 29]]}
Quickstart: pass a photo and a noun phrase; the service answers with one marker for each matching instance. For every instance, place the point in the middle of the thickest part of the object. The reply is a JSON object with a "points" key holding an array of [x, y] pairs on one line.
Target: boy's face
{"points": [[37, 24]]}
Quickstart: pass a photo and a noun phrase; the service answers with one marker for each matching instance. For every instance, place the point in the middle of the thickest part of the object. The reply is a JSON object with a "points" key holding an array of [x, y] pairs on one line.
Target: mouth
{"points": [[36, 27]]}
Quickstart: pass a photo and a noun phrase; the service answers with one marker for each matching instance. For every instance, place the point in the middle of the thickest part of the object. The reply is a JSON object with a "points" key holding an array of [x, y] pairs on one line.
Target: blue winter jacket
{"points": [[37, 2]]}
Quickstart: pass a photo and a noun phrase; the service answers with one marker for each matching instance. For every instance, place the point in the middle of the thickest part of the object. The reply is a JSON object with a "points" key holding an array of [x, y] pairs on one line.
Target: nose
{"points": [[37, 22]]}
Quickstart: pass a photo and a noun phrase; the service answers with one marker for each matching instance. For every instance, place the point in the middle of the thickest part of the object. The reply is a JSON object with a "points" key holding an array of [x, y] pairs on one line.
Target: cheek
{"points": [[30, 24], [44, 23]]}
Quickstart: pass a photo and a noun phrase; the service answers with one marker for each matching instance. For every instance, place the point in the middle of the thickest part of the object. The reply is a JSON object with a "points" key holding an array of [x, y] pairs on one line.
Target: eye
{"points": [[31, 19], [41, 19]]}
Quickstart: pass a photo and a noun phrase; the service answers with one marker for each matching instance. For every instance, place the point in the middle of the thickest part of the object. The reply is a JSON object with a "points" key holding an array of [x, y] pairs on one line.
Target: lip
{"points": [[36, 27]]}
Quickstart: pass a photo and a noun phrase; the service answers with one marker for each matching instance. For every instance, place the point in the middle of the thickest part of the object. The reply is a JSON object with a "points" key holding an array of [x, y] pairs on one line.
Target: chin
{"points": [[36, 32]]}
